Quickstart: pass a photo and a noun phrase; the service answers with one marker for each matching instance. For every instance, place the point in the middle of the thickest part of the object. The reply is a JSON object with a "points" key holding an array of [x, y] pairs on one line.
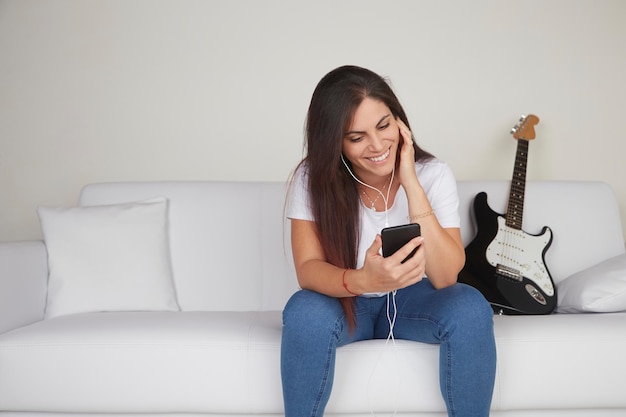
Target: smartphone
{"points": [[397, 236]]}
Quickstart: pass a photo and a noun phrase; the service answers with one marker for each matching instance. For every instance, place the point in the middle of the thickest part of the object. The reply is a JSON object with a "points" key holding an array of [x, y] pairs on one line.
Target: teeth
{"points": [[380, 158]]}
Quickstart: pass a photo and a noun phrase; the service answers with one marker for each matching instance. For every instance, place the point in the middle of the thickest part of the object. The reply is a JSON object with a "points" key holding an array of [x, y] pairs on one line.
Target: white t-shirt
{"points": [[434, 175]]}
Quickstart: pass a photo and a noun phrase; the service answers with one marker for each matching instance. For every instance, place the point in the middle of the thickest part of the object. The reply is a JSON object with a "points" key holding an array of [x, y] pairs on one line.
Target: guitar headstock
{"points": [[525, 129]]}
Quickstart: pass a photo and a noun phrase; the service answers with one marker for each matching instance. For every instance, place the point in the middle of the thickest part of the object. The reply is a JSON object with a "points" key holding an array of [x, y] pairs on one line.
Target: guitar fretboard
{"points": [[515, 209]]}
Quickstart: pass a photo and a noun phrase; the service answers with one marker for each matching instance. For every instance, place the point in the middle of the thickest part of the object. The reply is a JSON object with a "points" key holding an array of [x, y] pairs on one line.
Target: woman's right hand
{"points": [[380, 274]]}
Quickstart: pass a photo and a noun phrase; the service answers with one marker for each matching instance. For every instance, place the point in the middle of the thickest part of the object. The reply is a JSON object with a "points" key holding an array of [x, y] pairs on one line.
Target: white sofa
{"points": [[232, 270]]}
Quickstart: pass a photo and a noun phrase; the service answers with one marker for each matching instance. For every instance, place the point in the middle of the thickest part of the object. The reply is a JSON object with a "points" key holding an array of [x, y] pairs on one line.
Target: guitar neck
{"points": [[515, 208]]}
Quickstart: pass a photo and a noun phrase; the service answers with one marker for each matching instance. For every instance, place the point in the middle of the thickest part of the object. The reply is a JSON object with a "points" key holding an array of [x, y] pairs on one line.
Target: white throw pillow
{"points": [[599, 289], [108, 258]]}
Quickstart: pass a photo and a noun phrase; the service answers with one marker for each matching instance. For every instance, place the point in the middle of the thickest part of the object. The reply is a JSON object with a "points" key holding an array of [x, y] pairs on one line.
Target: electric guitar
{"points": [[503, 261]]}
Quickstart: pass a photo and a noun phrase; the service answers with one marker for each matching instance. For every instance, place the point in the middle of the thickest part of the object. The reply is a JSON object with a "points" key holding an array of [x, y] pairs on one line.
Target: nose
{"points": [[377, 142]]}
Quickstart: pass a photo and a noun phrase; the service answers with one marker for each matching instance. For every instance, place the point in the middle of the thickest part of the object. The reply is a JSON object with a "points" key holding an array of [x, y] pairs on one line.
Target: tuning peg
{"points": [[521, 119]]}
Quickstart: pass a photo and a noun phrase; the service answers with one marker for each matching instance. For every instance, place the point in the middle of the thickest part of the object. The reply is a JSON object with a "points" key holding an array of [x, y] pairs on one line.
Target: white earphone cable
{"points": [[391, 295]]}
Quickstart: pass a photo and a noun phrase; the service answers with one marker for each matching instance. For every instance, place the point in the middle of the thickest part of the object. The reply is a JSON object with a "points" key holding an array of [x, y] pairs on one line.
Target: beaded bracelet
{"points": [[421, 216], [343, 281]]}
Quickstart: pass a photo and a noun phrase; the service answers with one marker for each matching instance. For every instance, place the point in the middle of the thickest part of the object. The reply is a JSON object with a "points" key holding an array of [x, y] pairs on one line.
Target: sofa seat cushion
{"points": [[142, 362], [560, 361], [228, 363], [190, 362]]}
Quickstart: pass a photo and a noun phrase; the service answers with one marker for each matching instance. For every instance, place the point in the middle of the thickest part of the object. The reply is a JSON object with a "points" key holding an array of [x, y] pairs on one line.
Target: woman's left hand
{"points": [[407, 155]]}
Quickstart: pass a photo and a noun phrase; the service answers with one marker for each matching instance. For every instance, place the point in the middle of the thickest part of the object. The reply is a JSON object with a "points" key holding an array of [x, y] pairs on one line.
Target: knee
{"points": [[470, 306], [309, 309]]}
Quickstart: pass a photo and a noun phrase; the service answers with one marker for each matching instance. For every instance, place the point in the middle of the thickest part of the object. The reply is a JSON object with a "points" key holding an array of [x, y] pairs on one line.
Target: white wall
{"points": [[218, 90]]}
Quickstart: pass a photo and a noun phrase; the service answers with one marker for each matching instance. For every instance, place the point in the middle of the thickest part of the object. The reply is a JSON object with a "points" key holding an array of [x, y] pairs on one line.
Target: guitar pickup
{"points": [[508, 272]]}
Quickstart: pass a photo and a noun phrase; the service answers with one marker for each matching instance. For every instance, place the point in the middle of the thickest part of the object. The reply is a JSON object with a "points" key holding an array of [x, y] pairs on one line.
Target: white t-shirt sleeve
{"points": [[298, 206]]}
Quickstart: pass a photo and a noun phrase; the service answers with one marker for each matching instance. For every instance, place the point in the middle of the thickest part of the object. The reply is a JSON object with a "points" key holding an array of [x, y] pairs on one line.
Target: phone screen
{"points": [[397, 236]]}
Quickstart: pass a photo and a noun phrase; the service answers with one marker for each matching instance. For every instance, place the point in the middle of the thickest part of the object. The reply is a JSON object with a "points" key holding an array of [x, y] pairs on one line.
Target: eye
{"points": [[383, 127], [355, 139]]}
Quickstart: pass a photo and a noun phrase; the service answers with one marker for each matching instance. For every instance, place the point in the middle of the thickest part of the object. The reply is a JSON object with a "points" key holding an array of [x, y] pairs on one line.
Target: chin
{"points": [[383, 171]]}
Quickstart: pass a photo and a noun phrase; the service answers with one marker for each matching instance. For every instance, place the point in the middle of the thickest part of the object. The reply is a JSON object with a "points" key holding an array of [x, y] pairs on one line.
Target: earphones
{"points": [[390, 319]]}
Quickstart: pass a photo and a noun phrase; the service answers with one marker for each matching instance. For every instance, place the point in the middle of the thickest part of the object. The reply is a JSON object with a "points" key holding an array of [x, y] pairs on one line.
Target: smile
{"points": [[380, 158]]}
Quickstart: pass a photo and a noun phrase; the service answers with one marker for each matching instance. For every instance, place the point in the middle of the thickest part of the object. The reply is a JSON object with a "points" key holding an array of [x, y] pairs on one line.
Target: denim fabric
{"points": [[458, 318]]}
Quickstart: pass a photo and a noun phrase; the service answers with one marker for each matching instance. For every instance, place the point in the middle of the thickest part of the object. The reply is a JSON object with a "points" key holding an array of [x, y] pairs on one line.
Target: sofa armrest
{"points": [[23, 283]]}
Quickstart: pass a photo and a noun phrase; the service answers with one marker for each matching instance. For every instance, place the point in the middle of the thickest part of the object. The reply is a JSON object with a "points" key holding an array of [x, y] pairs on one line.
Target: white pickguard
{"points": [[520, 251]]}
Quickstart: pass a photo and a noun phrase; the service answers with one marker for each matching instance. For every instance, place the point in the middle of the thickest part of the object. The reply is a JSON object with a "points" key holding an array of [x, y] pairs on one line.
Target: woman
{"points": [[363, 172]]}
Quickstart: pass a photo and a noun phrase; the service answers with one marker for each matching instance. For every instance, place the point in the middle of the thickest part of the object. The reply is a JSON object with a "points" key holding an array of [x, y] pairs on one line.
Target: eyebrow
{"points": [[352, 132]]}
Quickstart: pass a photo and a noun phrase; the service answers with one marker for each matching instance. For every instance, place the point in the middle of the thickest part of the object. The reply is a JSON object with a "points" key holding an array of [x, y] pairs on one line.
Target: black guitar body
{"points": [[507, 287]]}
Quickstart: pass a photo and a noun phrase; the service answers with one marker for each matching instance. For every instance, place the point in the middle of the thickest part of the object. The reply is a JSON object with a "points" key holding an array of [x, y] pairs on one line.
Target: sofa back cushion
{"points": [[230, 244], [229, 241]]}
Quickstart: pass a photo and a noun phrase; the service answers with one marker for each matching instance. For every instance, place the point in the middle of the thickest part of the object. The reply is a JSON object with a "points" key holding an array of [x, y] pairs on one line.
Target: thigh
{"points": [[313, 315], [426, 314]]}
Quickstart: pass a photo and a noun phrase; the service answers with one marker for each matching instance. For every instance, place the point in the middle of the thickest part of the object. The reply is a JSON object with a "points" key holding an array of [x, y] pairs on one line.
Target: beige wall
{"points": [[217, 90]]}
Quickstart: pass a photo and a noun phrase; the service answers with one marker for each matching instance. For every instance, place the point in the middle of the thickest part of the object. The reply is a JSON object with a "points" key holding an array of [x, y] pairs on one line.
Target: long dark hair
{"points": [[333, 193]]}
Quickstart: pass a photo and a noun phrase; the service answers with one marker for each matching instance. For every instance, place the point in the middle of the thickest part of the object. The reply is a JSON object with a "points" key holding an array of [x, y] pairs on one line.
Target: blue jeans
{"points": [[458, 318]]}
